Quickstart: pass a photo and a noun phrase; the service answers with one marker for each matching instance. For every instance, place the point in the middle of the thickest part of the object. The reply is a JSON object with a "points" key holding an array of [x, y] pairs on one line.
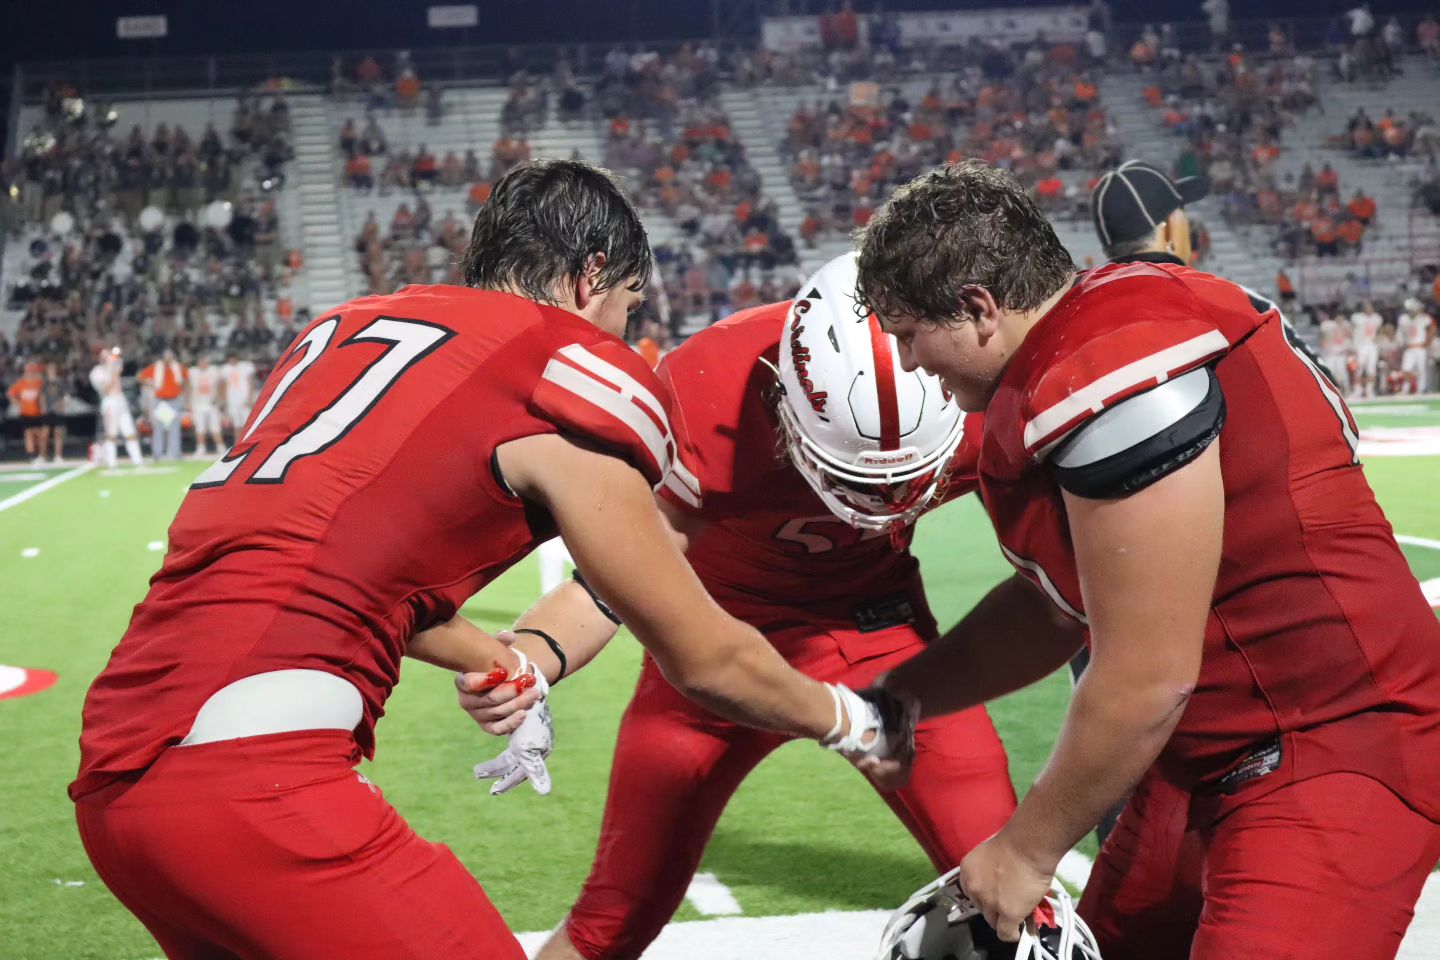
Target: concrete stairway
{"points": [[313, 181]]}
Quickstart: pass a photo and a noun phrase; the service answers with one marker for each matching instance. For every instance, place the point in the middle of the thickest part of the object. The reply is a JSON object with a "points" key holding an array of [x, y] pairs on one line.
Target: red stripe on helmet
{"points": [[885, 393]]}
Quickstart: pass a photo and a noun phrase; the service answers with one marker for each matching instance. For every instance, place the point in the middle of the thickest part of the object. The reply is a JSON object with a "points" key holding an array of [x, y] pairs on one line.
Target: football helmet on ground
{"points": [[940, 923]]}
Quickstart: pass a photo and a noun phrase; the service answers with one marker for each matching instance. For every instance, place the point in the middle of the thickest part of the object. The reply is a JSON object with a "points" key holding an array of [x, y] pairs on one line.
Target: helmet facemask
{"points": [[875, 497]]}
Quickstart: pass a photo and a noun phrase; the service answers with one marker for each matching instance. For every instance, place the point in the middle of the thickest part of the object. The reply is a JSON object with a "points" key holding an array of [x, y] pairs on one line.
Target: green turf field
{"points": [[805, 834]]}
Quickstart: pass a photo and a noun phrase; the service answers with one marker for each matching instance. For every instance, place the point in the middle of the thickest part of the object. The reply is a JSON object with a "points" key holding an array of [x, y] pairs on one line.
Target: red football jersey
{"points": [[361, 505], [771, 552], [1319, 637]]}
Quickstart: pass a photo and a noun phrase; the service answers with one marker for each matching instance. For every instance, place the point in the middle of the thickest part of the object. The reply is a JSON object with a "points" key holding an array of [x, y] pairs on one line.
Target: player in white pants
{"points": [[1366, 324], [205, 406], [1335, 351], [1416, 329], [116, 420], [239, 377]]}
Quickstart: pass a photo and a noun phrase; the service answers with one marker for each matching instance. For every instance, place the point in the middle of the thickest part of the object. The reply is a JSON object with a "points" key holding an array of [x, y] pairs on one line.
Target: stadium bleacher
{"points": [[346, 245]]}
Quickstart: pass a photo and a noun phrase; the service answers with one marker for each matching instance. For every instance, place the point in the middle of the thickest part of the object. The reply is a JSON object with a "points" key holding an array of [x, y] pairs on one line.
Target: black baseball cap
{"points": [[1135, 198]]}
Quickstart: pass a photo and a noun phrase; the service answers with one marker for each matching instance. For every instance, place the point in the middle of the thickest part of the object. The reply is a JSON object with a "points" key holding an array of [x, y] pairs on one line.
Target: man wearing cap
{"points": [[1140, 214]]}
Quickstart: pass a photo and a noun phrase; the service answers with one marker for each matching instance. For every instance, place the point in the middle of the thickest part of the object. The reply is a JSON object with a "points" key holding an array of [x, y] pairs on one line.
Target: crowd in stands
{"points": [[98, 267], [169, 241], [1034, 110]]}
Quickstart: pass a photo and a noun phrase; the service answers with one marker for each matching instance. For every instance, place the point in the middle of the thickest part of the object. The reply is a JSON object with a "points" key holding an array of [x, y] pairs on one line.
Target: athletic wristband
{"points": [[551, 643], [599, 604]]}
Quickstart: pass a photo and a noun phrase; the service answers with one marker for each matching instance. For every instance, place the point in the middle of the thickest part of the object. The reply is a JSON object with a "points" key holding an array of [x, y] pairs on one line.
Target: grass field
{"points": [[804, 834]]}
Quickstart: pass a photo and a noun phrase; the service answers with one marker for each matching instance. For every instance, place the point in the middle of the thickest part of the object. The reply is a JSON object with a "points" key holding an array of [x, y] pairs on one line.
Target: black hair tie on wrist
{"points": [[552, 644]]}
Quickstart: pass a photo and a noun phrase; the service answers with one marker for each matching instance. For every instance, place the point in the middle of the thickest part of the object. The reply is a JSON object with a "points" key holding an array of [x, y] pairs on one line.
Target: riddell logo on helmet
{"points": [[800, 356], [886, 460]]}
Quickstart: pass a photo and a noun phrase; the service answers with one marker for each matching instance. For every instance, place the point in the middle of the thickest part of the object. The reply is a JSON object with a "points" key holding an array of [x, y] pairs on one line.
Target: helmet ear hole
{"points": [[834, 340]]}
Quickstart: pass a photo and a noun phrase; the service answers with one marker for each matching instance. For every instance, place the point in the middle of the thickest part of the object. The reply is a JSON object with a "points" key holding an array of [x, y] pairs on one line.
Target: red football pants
{"points": [[274, 847], [1325, 869], [677, 766]]}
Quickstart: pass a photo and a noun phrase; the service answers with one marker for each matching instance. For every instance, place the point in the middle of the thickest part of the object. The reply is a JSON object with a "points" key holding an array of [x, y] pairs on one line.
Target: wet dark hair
{"points": [[960, 225], [544, 221]]}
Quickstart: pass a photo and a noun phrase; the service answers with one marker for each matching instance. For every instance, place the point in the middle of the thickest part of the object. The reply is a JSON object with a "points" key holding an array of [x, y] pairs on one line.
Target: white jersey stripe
{"points": [[683, 484], [1044, 430], [617, 404], [622, 381], [1046, 583]]}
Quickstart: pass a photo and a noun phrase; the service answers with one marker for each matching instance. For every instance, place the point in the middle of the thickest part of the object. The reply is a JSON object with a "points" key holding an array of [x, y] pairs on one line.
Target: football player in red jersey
{"points": [[801, 527], [405, 452], [1180, 476]]}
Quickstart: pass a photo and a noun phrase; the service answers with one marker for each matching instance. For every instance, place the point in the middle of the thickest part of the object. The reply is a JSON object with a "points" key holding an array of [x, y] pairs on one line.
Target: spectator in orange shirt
{"points": [[1327, 180], [1326, 239], [425, 168], [1362, 208], [1048, 192], [165, 379], [1285, 288], [359, 174], [649, 349], [1350, 233], [27, 393], [810, 228], [478, 194], [407, 88], [864, 210]]}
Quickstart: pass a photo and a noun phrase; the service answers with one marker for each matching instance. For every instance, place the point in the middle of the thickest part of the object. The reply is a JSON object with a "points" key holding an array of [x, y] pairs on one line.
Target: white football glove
{"points": [[530, 744], [871, 723]]}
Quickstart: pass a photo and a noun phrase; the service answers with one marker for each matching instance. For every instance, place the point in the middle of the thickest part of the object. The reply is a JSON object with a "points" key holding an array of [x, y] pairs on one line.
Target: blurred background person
{"points": [[116, 420], [28, 394], [56, 397], [165, 378], [205, 406], [239, 378]]}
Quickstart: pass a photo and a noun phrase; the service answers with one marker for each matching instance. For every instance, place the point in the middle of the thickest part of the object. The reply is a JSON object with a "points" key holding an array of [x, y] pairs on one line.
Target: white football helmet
{"points": [[940, 923], [873, 441]]}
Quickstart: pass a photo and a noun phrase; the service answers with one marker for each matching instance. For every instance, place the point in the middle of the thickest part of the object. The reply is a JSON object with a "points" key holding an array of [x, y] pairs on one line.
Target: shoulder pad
{"points": [[1084, 382], [1142, 439], [606, 392]]}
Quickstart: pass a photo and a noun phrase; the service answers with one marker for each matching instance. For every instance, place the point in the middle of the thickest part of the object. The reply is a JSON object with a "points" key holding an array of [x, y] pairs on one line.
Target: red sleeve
{"points": [[962, 476], [605, 392], [718, 382]]}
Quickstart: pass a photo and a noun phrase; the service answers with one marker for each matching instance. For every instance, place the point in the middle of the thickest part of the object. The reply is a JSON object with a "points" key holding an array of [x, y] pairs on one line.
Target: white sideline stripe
{"points": [[1074, 868], [856, 934], [1157, 366], [1417, 541], [1422, 940], [40, 488], [711, 897]]}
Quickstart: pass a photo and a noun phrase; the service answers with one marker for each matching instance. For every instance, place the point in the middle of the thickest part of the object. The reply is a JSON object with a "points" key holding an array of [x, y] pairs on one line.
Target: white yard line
{"points": [[711, 897], [1417, 541], [40, 488]]}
